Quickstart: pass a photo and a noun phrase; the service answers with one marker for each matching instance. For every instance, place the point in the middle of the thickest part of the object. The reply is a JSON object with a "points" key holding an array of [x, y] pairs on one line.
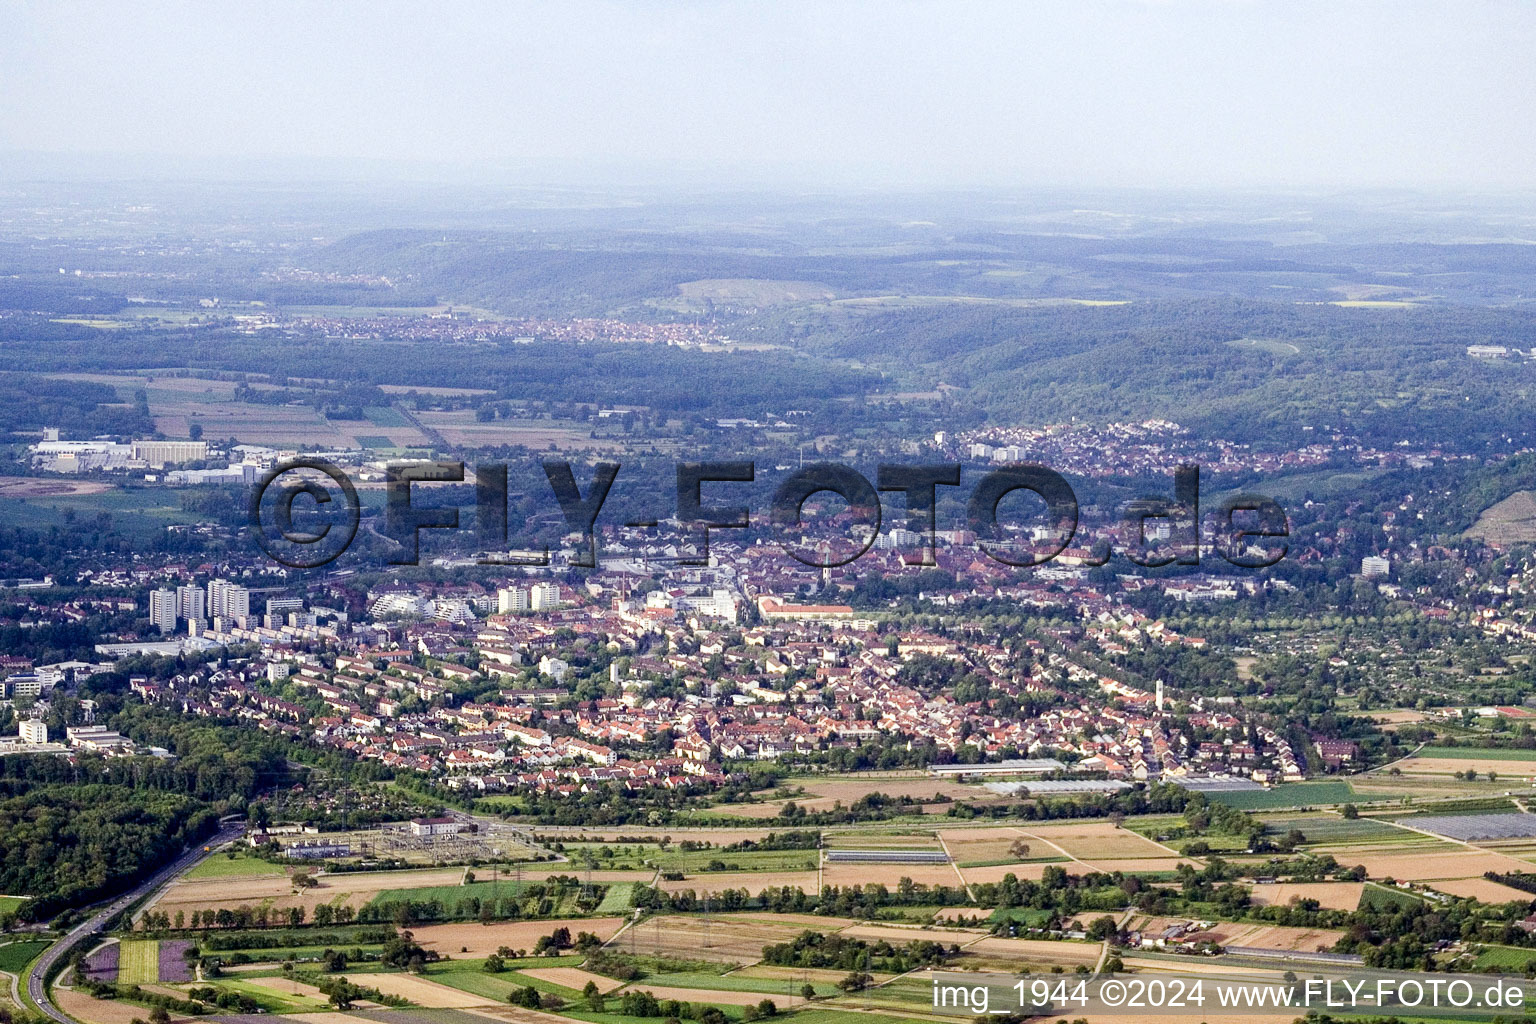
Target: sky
{"points": [[1140, 93]]}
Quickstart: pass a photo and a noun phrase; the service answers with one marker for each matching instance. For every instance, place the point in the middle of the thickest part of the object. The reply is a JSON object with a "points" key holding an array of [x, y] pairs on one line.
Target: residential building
{"points": [[189, 602], [227, 600], [1374, 566], [162, 610]]}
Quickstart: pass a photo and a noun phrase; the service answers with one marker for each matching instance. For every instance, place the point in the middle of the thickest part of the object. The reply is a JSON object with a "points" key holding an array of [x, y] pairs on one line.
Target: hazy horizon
{"points": [[1206, 94]]}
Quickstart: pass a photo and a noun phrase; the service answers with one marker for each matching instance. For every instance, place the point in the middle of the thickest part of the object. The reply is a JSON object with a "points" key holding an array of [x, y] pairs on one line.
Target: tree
{"points": [[1350, 811], [495, 965], [342, 994], [807, 991], [594, 997]]}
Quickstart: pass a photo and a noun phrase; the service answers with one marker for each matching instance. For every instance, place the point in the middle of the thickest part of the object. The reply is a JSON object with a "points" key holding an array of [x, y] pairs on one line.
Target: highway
{"points": [[37, 988]]}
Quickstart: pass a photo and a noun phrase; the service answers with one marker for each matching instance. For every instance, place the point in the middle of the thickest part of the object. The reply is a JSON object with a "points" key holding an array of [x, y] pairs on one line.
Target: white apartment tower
{"points": [[189, 602], [162, 610], [227, 600], [512, 600], [1373, 566]]}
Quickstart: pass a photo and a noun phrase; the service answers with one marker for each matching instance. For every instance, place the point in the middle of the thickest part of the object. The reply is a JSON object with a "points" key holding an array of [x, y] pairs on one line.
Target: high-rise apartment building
{"points": [[227, 600], [162, 610], [189, 602]]}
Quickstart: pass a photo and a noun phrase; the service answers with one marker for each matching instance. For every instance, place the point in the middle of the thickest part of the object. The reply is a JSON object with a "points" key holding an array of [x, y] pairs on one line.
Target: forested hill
{"points": [[1242, 339], [1246, 370], [600, 272]]}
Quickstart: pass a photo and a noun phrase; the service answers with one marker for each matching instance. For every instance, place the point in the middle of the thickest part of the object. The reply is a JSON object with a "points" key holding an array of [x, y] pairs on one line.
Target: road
{"points": [[37, 987]]}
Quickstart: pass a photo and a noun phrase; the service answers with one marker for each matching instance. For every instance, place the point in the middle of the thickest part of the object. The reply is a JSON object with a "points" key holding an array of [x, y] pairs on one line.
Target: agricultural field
{"points": [[633, 856], [889, 875], [752, 881], [95, 1011], [1507, 770], [1004, 953], [1101, 846], [730, 938], [17, 953], [646, 837], [1511, 521], [137, 511], [1503, 958], [424, 992], [452, 893], [1032, 870], [1459, 862], [278, 995], [226, 866], [714, 958], [481, 940], [1329, 895], [822, 793], [1293, 794], [1383, 897], [1497, 827], [570, 977], [873, 840], [987, 847], [459, 427], [276, 892], [1477, 753], [619, 897], [138, 961], [1483, 890], [1275, 937], [463, 987], [1335, 831], [176, 403]]}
